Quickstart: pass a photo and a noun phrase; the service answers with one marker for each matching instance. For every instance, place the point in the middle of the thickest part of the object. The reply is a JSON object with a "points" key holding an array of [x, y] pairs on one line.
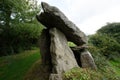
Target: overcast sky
{"points": [[89, 15]]}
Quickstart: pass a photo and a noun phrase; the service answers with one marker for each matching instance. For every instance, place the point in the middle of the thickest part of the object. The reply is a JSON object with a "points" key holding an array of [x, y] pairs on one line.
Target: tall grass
{"points": [[15, 67]]}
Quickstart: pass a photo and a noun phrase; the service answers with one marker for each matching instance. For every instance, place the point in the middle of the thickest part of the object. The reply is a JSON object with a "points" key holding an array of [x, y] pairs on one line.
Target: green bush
{"points": [[87, 74], [111, 29], [18, 26], [19, 37], [106, 45]]}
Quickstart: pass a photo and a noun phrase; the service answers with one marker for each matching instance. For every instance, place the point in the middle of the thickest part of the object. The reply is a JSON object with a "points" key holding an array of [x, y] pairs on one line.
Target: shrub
{"points": [[19, 37], [87, 74], [106, 45]]}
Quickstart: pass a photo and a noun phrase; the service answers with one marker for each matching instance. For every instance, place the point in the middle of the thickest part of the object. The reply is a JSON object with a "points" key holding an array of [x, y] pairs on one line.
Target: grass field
{"points": [[16, 66], [116, 66]]}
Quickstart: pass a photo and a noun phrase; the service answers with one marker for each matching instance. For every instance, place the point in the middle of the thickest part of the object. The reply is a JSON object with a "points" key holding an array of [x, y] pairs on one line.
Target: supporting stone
{"points": [[44, 44], [83, 57], [87, 60], [62, 56]]}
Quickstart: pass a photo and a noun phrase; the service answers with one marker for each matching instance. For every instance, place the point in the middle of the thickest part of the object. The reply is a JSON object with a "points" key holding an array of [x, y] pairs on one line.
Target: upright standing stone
{"points": [[77, 53], [62, 56], [55, 77], [44, 43], [87, 60], [53, 17]]}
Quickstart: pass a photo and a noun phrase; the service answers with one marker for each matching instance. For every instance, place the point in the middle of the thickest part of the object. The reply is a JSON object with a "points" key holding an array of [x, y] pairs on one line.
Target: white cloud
{"points": [[93, 23], [89, 15]]}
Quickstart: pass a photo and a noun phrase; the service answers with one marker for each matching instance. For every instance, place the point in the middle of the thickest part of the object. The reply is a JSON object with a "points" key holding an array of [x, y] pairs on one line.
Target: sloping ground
{"points": [[15, 67], [37, 72], [116, 66]]}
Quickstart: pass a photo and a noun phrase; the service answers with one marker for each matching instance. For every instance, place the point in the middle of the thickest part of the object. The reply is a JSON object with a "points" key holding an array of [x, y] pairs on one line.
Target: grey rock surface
{"points": [[62, 56], [55, 77], [87, 60], [44, 44], [53, 17]]}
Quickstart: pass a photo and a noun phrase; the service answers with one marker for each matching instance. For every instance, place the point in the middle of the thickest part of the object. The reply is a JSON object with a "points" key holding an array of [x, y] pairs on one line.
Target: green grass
{"points": [[16, 66], [38, 71], [88, 74], [82, 74], [116, 66]]}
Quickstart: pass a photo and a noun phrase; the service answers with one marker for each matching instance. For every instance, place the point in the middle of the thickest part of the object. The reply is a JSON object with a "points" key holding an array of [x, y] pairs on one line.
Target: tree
{"points": [[112, 30], [105, 42], [18, 26]]}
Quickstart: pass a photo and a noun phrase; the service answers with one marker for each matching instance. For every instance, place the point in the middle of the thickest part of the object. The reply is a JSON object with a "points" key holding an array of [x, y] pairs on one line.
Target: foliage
{"points": [[12, 11], [100, 61], [71, 44], [111, 29], [38, 72], [105, 49], [18, 26], [15, 67], [87, 74], [103, 64], [106, 45], [116, 66], [107, 40]]}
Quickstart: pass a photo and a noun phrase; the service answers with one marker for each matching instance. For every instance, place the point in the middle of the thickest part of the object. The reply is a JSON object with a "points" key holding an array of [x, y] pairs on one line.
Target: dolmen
{"points": [[55, 51]]}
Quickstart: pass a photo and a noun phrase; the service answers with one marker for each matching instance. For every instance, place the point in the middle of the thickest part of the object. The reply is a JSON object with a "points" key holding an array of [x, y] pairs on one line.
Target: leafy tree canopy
{"points": [[112, 30], [18, 27], [12, 11], [106, 40]]}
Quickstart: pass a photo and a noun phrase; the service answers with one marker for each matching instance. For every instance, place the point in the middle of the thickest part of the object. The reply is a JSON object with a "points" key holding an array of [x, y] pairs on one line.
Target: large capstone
{"points": [[62, 56], [53, 17]]}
